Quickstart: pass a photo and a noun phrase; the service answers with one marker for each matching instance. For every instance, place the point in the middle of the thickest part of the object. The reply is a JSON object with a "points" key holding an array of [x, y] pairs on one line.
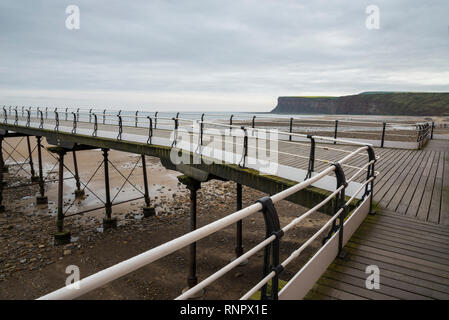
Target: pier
{"points": [[386, 206]]}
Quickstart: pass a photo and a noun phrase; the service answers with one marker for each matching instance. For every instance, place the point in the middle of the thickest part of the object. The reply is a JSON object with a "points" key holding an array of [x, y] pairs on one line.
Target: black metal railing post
{"points": [[155, 119], [120, 127], [41, 122], [291, 129], [5, 115], [431, 132], [94, 133], [340, 205], [90, 115], [28, 118], [272, 227], [137, 118], [74, 123], [335, 132], [150, 130], [369, 188], [245, 147], [104, 116], [311, 166], [253, 122], [56, 121], [201, 129], [16, 117], [383, 134]]}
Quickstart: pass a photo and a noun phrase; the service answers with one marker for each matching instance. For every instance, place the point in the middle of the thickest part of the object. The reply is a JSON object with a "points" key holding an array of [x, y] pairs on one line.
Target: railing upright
{"points": [[335, 132], [150, 130], [383, 134], [94, 133], [291, 129], [340, 204], [431, 132], [272, 227], [311, 166]]}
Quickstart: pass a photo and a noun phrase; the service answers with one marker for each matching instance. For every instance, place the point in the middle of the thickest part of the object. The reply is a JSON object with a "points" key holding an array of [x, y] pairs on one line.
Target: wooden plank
{"points": [[408, 196], [399, 259], [362, 292], [402, 239], [394, 279], [444, 216], [413, 207], [435, 204], [386, 213], [405, 184], [424, 207], [320, 289], [383, 264], [398, 183], [402, 249], [403, 230], [389, 287], [412, 225], [401, 166]]}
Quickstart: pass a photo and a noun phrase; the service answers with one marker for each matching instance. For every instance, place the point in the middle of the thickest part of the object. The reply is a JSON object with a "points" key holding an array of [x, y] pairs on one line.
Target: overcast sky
{"points": [[216, 55]]}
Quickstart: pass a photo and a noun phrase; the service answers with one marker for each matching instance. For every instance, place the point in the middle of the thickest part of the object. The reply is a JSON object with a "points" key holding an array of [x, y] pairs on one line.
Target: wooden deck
{"points": [[412, 256], [408, 240]]}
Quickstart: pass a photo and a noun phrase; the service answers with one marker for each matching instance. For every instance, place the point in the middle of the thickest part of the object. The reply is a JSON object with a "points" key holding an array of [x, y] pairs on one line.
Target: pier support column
{"points": [[2, 207], [61, 236], [239, 228], [148, 210], [34, 178], [193, 185], [41, 199], [108, 221], [79, 193]]}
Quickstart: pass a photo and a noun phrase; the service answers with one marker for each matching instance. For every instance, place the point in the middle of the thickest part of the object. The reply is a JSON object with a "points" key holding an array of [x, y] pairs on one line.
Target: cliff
{"points": [[370, 103]]}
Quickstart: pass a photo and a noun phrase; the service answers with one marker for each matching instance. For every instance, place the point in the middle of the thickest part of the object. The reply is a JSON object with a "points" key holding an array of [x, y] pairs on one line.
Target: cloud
{"points": [[216, 55]]}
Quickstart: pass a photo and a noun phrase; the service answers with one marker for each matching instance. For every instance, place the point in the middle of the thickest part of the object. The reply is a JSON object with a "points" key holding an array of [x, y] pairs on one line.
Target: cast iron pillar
{"points": [[61, 236], [2, 207], [79, 193], [148, 210], [34, 178], [239, 242], [41, 198], [193, 185], [108, 221]]}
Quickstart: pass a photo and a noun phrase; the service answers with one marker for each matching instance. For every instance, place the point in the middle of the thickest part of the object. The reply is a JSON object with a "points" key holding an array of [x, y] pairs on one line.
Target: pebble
{"points": [[67, 252]]}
